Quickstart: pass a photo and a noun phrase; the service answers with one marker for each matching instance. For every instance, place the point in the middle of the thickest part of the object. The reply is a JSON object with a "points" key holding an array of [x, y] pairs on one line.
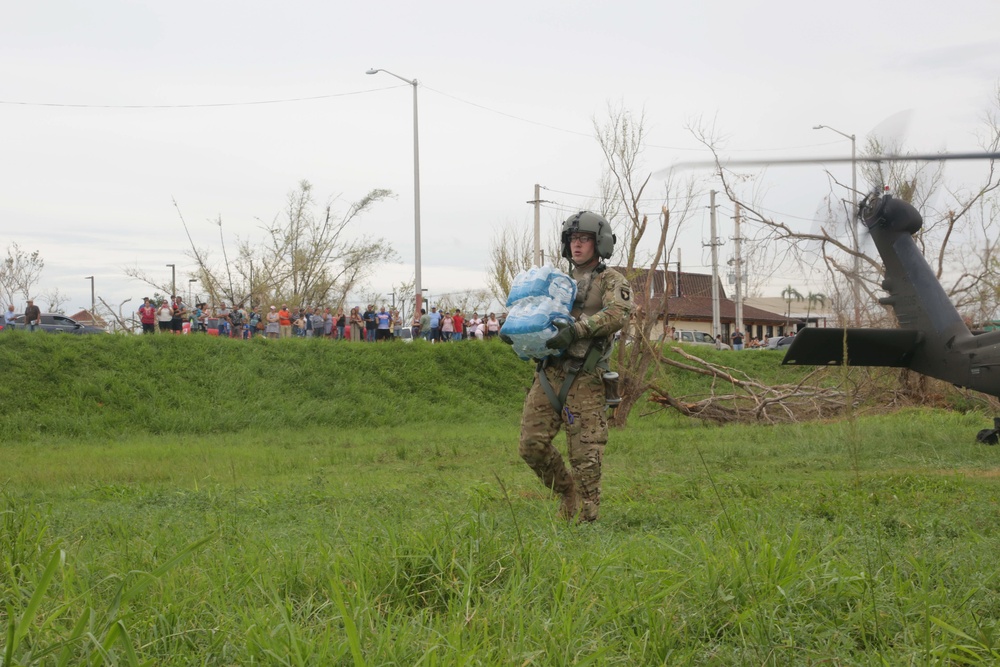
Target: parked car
{"points": [[60, 324], [779, 342], [698, 338]]}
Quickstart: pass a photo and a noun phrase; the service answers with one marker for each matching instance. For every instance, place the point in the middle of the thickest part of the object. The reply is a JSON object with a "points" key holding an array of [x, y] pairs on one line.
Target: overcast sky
{"points": [[90, 167]]}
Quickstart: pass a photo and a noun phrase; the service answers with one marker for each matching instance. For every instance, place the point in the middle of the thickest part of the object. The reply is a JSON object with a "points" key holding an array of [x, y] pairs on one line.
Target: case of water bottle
{"points": [[538, 298]]}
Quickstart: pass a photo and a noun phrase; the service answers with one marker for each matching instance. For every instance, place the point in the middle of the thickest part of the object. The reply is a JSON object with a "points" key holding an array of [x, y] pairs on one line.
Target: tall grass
{"points": [[419, 537]]}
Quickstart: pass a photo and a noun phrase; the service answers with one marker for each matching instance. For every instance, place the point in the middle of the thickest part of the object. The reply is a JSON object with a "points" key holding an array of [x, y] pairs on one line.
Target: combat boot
{"points": [[589, 509], [569, 507]]}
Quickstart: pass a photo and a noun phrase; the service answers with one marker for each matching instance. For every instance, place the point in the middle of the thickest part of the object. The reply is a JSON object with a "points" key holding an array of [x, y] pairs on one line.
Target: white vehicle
{"points": [[697, 338]]}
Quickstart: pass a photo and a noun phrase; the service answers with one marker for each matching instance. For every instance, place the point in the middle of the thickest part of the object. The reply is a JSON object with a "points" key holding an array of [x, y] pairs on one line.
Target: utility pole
{"points": [[677, 283], [536, 256], [739, 273], [852, 223], [714, 242], [93, 300], [173, 280]]}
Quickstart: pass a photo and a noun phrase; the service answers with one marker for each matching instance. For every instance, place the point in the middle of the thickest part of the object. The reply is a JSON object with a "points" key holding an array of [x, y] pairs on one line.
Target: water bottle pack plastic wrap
{"points": [[539, 297]]}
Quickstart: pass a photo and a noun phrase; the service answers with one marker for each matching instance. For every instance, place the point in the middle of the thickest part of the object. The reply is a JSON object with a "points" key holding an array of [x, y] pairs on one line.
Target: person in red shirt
{"points": [[459, 324], [147, 316]]}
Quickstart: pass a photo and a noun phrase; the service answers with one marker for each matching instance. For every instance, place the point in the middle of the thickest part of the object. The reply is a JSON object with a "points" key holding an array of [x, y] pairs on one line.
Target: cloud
{"points": [[979, 58]]}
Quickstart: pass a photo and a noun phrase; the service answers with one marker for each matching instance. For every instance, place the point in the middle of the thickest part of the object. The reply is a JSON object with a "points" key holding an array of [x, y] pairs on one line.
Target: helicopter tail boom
{"points": [[863, 347]]}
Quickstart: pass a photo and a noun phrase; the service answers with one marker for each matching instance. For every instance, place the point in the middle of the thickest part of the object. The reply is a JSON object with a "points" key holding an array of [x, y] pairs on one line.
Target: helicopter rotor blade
{"points": [[766, 162]]}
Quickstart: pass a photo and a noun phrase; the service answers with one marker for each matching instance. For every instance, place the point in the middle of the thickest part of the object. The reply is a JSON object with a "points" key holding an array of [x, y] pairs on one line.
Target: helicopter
{"points": [[932, 338]]}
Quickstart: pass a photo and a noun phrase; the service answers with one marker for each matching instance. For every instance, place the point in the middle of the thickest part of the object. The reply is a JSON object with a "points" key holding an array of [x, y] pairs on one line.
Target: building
{"points": [[689, 305], [85, 317]]}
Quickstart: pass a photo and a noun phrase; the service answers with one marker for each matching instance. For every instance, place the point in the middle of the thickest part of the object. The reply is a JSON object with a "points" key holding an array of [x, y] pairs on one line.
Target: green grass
{"points": [[419, 537], [106, 386]]}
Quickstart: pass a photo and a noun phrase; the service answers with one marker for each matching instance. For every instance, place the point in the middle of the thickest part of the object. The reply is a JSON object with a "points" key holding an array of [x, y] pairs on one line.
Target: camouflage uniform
{"points": [[602, 307]]}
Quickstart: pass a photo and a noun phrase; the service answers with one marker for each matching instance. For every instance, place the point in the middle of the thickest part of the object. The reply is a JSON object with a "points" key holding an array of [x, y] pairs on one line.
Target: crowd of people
{"points": [[447, 326], [368, 325]]}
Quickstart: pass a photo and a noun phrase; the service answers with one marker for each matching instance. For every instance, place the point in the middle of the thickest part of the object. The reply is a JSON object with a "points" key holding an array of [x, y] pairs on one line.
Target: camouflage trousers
{"points": [[586, 435]]}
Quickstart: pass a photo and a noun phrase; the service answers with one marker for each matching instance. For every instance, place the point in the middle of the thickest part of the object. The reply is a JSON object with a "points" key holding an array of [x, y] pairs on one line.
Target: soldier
{"points": [[568, 390]]}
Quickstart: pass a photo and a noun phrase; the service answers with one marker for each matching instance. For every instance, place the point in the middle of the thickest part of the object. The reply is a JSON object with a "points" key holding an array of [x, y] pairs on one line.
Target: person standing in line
{"points": [[178, 315], [273, 327], [163, 316], [147, 316], [397, 324], [568, 391], [32, 316], [447, 331], [737, 340], [476, 327], [284, 322], [357, 324], [329, 323], [423, 327], [435, 330], [459, 323], [254, 324], [383, 325], [341, 322], [492, 325], [369, 319]]}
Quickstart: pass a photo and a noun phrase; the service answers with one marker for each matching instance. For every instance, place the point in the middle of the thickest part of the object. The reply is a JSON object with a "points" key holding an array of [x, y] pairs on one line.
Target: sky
{"points": [[114, 110]]}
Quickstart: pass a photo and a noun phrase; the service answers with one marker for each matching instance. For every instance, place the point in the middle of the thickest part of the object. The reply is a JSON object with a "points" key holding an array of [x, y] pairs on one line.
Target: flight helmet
{"points": [[596, 224]]}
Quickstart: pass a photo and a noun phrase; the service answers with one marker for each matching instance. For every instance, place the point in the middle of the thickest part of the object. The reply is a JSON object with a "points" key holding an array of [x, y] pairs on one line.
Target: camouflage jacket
{"points": [[602, 307]]}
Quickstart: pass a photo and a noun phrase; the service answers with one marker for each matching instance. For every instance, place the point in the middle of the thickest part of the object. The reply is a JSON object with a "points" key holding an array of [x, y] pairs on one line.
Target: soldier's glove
{"points": [[507, 339], [567, 336]]}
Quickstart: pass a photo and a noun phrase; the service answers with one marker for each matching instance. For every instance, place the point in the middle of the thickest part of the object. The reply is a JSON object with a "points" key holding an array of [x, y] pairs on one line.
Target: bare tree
{"points": [[55, 299], [510, 254], [470, 301], [19, 273], [306, 257], [645, 244], [117, 320], [960, 239]]}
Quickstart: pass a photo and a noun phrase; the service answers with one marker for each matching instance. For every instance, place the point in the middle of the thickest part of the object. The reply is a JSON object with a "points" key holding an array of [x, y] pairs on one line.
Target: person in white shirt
{"points": [[475, 327]]}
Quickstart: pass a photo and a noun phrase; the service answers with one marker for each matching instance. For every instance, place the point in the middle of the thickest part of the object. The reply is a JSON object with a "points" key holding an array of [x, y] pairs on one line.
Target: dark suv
{"points": [[60, 324]]}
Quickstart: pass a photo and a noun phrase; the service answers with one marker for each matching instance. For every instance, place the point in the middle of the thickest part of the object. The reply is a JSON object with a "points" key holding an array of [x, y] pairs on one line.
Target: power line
{"points": [[591, 136], [197, 106], [69, 105]]}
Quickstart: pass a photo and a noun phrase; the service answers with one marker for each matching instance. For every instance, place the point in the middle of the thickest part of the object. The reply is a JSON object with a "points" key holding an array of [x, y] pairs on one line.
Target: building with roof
{"points": [[689, 305], [86, 317]]}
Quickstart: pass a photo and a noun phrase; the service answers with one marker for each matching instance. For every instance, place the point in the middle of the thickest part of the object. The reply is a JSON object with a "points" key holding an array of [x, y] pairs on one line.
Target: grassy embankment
{"points": [[214, 502]]}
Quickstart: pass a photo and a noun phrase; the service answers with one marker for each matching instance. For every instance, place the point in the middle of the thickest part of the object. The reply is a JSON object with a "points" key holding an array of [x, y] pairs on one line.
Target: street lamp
{"points": [[173, 280], [416, 184], [856, 280], [93, 301], [191, 283]]}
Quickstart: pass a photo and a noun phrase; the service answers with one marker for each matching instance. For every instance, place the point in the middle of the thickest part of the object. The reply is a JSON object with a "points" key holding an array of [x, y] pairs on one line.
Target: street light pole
{"points": [[852, 226], [173, 280], [416, 184], [191, 283], [93, 300]]}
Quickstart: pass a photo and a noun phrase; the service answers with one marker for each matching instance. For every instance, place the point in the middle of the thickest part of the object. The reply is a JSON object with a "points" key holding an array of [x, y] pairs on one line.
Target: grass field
{"points": [[276, 522]]}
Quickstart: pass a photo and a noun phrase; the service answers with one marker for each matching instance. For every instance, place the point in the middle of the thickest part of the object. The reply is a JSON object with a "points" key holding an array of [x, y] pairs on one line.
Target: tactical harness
{"points": [[573, 367]]}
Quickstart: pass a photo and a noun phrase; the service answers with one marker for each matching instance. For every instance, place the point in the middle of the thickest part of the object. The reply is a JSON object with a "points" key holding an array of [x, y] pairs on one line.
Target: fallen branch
{"points": [[749, 400]]}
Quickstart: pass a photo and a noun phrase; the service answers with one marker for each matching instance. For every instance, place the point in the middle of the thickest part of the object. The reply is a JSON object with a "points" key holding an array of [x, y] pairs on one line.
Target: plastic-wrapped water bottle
{"points": [[532, 345], [528, 315], [538, 297], [562, 288], [543, 280]]}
